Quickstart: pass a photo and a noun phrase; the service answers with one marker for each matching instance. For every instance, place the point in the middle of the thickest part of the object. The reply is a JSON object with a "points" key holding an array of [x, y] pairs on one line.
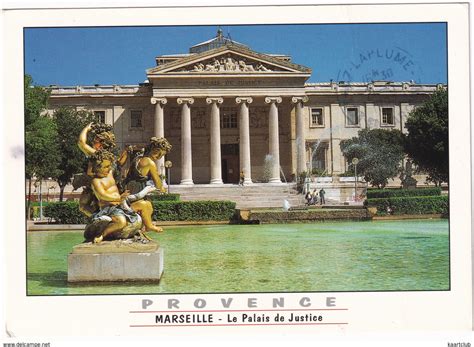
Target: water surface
{"points": [[337, 256]]}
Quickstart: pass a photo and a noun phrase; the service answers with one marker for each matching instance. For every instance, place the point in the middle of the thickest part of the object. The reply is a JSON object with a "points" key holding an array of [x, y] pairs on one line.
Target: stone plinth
{"points": [[114, 261]]}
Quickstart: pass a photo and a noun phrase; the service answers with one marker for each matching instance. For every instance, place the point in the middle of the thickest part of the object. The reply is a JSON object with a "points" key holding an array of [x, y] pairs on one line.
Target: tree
{"points": [[40, 131], [427, 139], [41, 147], [36, 100], [41, 152], [379, 152], [72, 161]]}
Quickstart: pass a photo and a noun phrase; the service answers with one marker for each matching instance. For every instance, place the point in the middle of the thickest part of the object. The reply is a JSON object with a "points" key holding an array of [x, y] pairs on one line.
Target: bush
{"points": [[318, 172], [35, 208], [68, 212], [165, 197], [348, 174], [65, 212], [37, 203], [410, 205], [388, 193], [193, 210]]}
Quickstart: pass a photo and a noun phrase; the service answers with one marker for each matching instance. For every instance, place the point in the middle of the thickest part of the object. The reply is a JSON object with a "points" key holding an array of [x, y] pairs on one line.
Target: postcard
{"points": [[292, 169]]}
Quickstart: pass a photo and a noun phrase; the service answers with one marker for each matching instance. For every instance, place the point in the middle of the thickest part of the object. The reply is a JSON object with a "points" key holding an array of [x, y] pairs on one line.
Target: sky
{"points": [[339, 52]]}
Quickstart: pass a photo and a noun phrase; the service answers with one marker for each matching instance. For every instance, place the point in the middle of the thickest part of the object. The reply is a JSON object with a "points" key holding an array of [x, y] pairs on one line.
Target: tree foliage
{"points": [[427, 139], [51, 141], [41, 147], [42, 152], [36, 100], [70, 122], [379, 152]]}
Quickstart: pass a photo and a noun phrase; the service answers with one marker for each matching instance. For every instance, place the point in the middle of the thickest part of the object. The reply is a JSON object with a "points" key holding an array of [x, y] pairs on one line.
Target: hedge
{"points": [[35, 208], [389, 193], [68, 212], [411, 205], [165, 197], [193, 210], [65, 212], [37, 203]]}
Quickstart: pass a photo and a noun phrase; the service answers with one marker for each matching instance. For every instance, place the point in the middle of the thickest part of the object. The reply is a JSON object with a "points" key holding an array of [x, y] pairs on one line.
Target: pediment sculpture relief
{"points": [[227, 64]]}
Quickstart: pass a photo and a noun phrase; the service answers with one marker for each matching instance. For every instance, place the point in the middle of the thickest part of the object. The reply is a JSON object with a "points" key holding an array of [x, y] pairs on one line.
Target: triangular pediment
{"points": [[228, 60]]}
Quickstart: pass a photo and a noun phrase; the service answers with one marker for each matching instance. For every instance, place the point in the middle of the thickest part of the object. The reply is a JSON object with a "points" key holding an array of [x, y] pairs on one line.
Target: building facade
{"points": [[226, 108]]}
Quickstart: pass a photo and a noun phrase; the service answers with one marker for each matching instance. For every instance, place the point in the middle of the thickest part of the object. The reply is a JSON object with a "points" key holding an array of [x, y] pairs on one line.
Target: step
{"points": [[250, 196]]}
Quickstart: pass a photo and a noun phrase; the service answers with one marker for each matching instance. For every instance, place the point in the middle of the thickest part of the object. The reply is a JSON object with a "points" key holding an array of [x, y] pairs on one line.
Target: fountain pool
{"points": [[319, 257]]}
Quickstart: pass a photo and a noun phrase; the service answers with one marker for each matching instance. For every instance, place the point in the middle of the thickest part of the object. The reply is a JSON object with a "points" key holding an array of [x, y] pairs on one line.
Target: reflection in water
{"points": [[339, 256]]}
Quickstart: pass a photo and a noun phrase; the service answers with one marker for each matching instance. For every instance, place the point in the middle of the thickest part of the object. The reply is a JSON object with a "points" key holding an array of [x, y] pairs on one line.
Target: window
{"points": [[318, 157], [352, 116], [136, 119], [228, 117], [317, 117], [99, 116], [387, 116]]}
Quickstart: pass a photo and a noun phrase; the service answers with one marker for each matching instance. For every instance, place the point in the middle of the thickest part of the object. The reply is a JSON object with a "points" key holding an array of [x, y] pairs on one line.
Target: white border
{"points": [[380, 311]]}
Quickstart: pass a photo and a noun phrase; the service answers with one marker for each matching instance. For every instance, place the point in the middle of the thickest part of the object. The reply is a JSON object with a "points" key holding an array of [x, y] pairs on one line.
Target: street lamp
{"points": [[355, 161], [168, 166]]}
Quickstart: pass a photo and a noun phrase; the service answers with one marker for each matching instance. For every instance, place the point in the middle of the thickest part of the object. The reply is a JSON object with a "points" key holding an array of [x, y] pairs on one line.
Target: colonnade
{"points": [[244, 135]]}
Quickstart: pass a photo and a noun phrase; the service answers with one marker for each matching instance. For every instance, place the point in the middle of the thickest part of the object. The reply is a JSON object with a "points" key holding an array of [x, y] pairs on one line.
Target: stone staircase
{"points": [[256, 195]]}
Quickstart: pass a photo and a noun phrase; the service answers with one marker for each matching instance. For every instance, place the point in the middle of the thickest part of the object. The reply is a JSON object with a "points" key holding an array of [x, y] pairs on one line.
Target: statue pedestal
{"points": [[113, 261]]}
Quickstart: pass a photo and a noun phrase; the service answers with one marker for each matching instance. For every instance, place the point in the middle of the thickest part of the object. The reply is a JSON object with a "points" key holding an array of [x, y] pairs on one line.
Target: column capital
{"points": [[273, 99], [161, 101], [189, 101], [243, 99], [217, 100], [298, 99]]}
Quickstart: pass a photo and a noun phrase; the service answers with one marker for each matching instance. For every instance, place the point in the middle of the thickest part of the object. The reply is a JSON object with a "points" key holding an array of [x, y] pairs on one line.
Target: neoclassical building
{"points": [[225, 108]]}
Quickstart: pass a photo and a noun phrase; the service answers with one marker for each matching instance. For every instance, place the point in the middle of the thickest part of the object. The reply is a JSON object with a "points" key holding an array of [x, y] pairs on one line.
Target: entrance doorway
{"points": [[230, 163]]}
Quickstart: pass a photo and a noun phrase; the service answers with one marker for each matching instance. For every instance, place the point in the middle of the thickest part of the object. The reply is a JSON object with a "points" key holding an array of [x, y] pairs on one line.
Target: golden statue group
{"points": [[118, 208]]}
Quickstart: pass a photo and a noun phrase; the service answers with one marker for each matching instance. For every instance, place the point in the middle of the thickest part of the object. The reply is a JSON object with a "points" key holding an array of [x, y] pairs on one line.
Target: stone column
{"points": [[186, 150], [244, 131], [216, 167], [273, 138], [159, 128], [300, 135]]}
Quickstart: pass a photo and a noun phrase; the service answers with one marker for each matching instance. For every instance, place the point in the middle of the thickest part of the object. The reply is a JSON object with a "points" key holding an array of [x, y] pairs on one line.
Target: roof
{"points": [[228, 48], [215, 42]]}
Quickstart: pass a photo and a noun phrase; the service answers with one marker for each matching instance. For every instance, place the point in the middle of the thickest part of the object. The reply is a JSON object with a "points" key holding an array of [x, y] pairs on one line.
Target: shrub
{"points": [[68, 212], [193, 210], [65, 212], [318, 172], [35, 208], [165, 197], [348, 173], [388, 193], [410, 205], [37, 203]]}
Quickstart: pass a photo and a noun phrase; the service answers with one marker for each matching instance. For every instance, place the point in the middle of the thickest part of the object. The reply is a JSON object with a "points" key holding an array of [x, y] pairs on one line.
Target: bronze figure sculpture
{"points": [[118, 208]]}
